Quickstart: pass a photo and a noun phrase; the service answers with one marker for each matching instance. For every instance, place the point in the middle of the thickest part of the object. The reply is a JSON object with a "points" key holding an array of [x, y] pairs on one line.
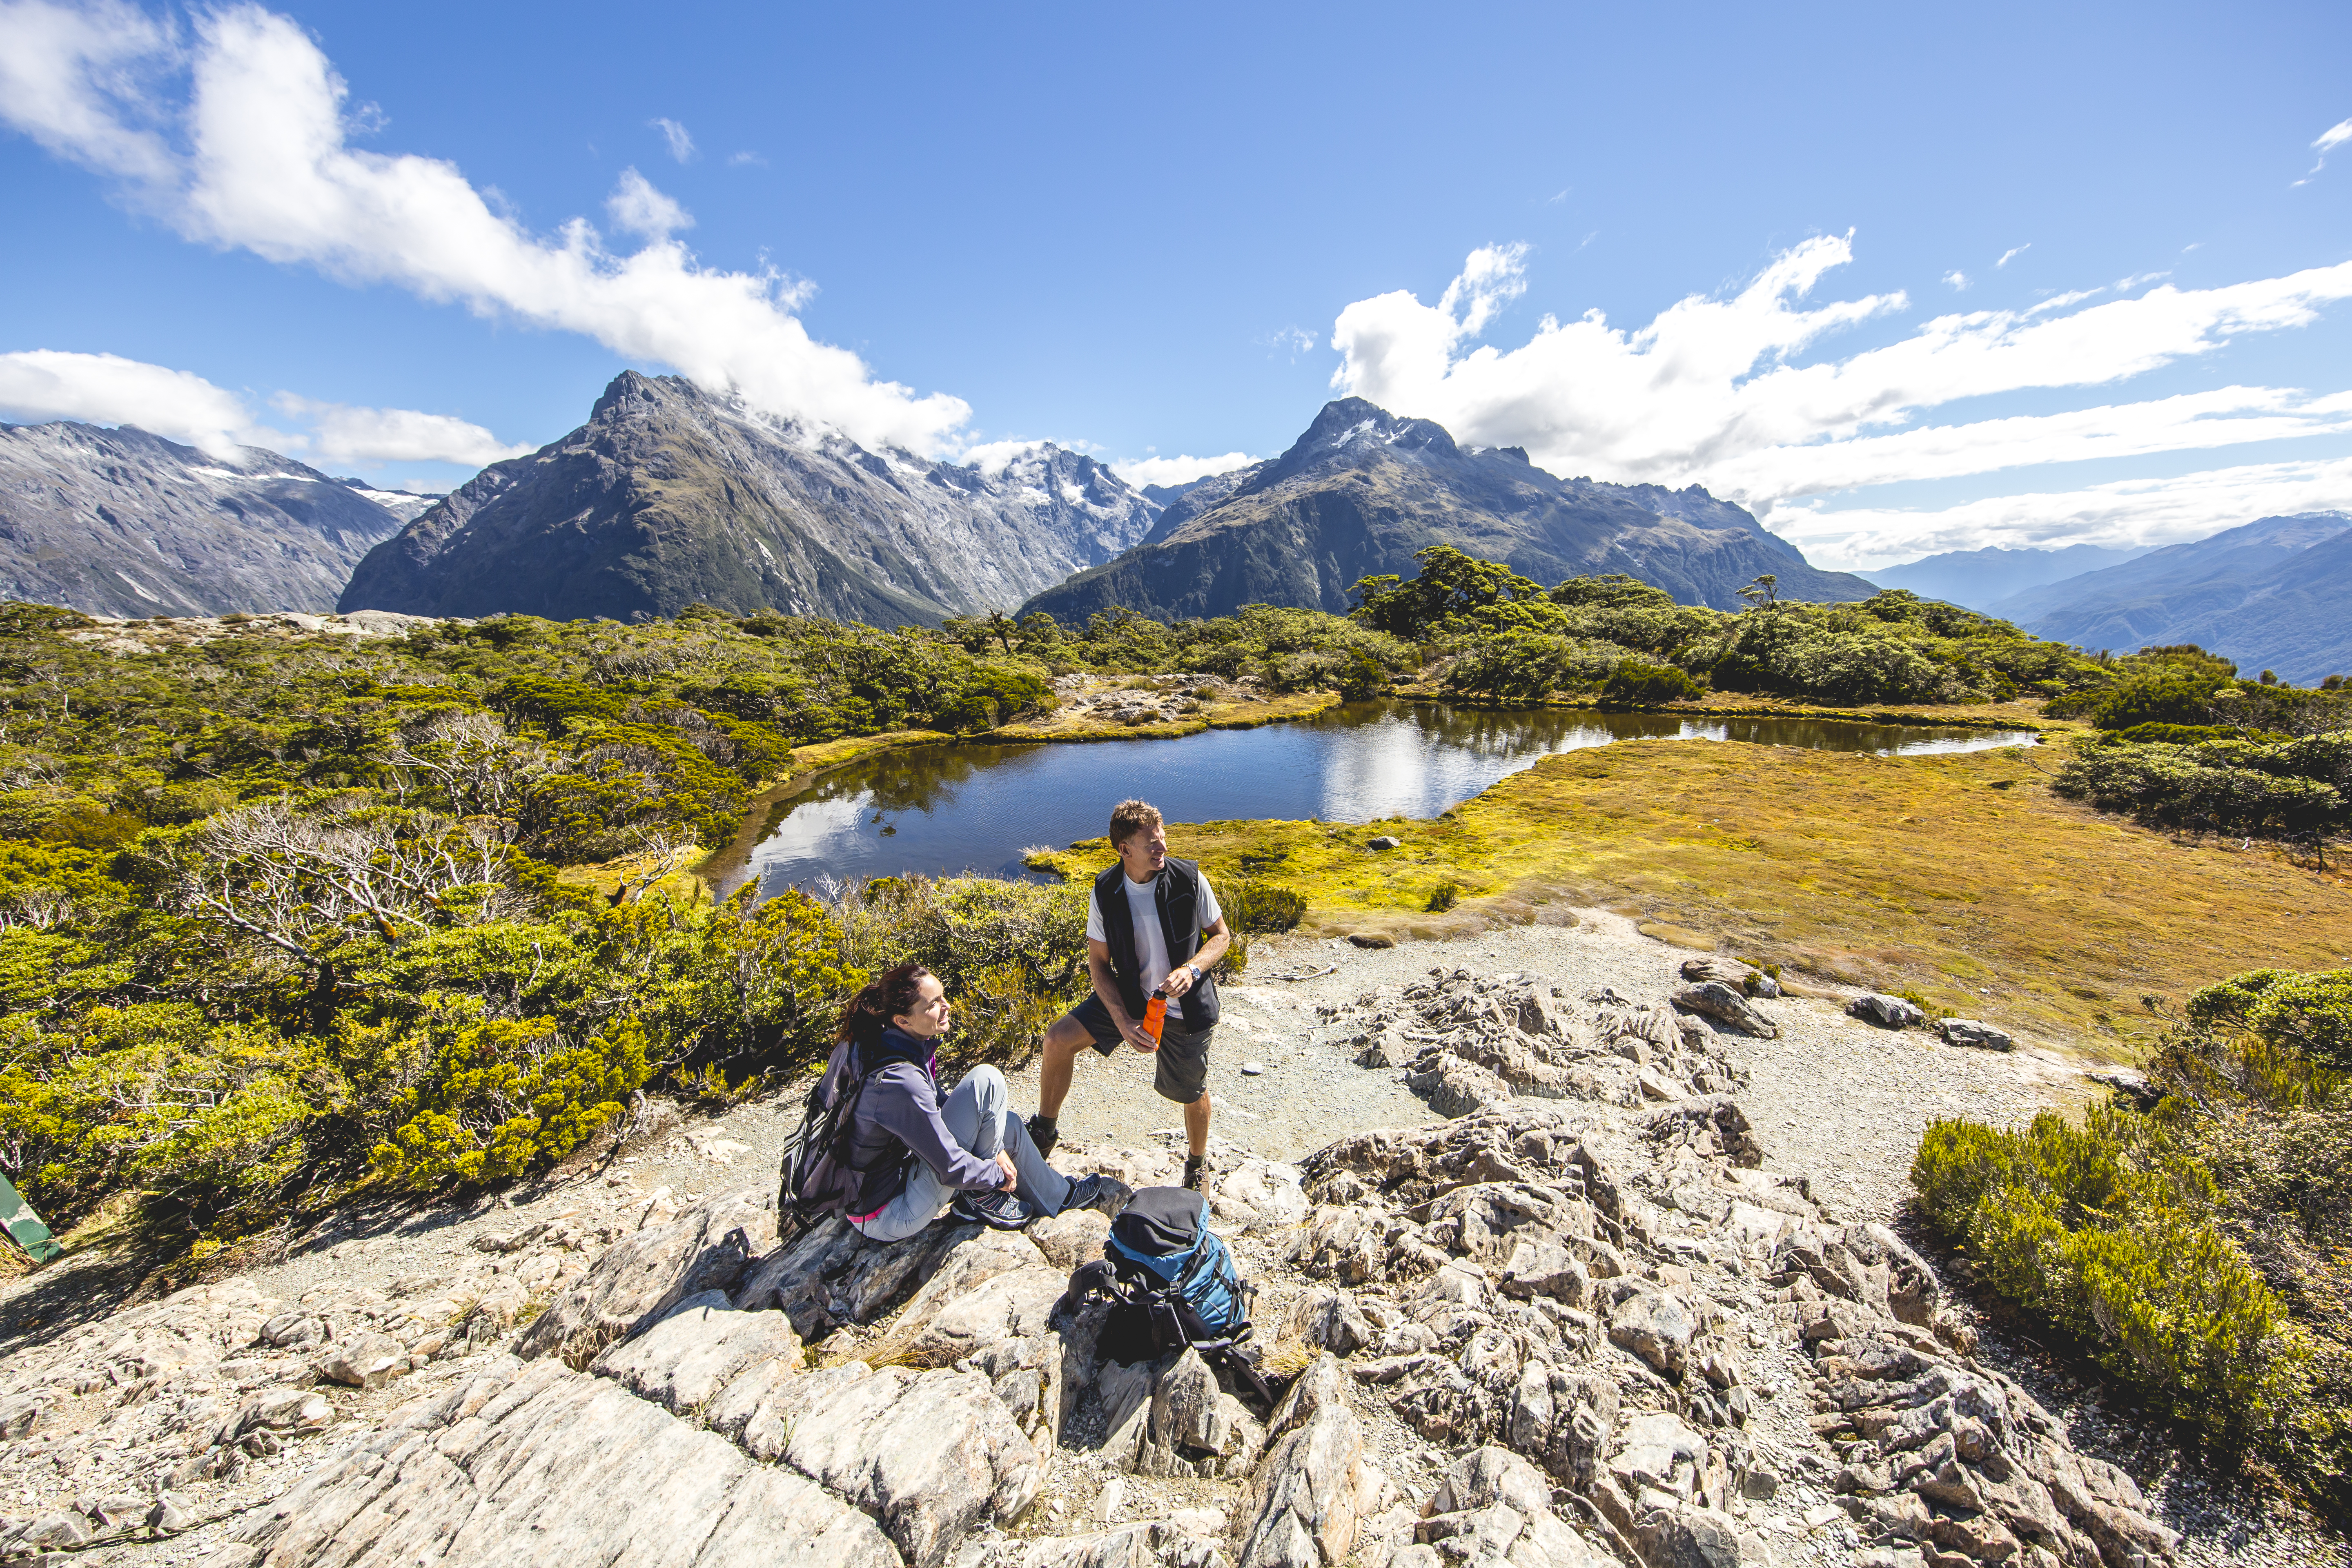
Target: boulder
{"points": [[1969, 1032], [1728, 1006], [698, 1349], [1372, 939], [1656, 1326], [1887, 1012], [709, 1246], [1195, 1427], [364, 1360], [932, 1454], [1385, 841], [1071, 1238], [540, 1467], [1303, 1497], [1456, 1087]]}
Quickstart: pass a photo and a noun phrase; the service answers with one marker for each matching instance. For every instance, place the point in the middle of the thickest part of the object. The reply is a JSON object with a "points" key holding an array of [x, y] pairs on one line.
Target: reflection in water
{"points": [[946, 809]]}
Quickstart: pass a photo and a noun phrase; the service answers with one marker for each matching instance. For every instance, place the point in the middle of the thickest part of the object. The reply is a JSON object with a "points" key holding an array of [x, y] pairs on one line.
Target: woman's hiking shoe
{"points": [[998, 1210], [1194, 1173], [1044, 1133], [1104, 1195]]}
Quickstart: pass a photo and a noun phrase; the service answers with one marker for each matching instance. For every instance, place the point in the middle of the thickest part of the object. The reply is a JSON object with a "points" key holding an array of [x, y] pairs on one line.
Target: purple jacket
{"points": [[898, 1115]]}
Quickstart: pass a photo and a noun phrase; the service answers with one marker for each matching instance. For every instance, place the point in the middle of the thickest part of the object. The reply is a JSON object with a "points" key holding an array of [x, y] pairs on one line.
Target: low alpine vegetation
{"points": [[2198, 1250]]}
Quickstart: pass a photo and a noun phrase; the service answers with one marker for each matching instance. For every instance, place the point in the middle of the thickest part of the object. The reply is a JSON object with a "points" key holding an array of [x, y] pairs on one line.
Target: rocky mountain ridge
{"points": [[1574, 1323], [2269, 593], [1363, 488], [1979, 579], [120, 522], [671, 496]]}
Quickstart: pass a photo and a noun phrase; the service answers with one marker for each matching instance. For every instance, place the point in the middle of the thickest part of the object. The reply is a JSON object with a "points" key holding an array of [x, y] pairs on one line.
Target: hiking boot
{"points": [[1104, 1195], [1044, 1133], [998, 1210], [1195, 1171]]}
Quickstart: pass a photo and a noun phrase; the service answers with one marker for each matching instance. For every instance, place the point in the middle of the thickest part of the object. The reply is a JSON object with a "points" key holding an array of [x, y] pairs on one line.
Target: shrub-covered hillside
{"points": [[283, 914], [2200, 1251], [1505, 637]]}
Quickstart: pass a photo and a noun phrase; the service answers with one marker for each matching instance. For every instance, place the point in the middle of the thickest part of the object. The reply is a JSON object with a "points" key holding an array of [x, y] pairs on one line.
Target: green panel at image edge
{"points": [[24, 1227]]}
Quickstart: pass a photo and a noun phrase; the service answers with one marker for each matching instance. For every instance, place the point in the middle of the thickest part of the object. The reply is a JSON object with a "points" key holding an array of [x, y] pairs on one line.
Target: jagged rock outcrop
{"points": [[671, 496], [1556, 1330], [1363, 488], [121, 523]]}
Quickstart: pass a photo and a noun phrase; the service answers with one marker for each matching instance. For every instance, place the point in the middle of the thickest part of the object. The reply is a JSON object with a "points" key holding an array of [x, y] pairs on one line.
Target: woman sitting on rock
{"points": [[920, 1156]]}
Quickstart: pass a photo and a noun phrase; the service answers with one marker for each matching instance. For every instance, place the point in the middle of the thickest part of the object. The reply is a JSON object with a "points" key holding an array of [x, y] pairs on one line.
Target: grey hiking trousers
{"points": [[977, 1114]]}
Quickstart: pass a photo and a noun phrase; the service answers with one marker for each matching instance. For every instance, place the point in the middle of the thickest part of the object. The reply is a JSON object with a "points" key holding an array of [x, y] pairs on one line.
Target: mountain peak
{"points": [[1346, 422]]}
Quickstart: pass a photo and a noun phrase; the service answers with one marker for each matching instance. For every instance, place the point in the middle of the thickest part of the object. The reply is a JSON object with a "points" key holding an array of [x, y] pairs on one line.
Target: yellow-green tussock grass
{"points": [[1959, 877]]}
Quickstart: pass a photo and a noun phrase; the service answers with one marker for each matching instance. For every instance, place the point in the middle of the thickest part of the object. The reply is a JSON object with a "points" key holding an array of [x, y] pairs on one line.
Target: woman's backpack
{"points": [[1172, 1283], [818, 1179]]}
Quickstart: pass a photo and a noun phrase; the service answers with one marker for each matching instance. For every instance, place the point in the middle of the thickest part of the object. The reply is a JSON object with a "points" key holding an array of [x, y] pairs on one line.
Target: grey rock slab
{"points": [[1728, 1006], [1656, 1326], [365, 1360], [1971, 1032], [703, 1346], [538, 1464], [933, 1454], [1304, 1494], [1887, 1012], [709, 1246]]}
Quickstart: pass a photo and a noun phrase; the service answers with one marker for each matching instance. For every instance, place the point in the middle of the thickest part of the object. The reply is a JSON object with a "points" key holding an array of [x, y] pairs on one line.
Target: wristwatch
{"points": [[1195, 970]]}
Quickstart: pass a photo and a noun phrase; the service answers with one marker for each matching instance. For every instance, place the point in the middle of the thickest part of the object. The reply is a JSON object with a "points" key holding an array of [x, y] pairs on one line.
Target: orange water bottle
{"points": [[1155, 1013]]}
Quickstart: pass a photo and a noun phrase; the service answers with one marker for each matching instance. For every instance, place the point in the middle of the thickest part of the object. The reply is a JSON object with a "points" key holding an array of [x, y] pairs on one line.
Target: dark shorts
{"points": [[1182, 1069]]}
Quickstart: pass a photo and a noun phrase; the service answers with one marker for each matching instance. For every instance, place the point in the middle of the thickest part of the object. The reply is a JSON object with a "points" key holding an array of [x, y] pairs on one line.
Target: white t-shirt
{"points": [[1150, 945]]}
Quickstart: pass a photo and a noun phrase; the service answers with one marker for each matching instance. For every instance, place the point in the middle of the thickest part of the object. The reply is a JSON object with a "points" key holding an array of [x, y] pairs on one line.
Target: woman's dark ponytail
{"points": [[886, 996]]}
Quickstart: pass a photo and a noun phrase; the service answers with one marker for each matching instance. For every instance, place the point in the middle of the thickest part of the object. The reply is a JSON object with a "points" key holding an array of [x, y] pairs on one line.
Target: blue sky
{"points": [[1158, 235]]}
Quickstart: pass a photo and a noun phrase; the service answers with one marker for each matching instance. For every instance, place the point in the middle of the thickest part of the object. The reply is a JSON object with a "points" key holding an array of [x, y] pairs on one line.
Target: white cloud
{"points": [[746, 160], [639, 208], [2124, 512], [342, 434], [107, 389], [2013, 253], [66, 72], [681, 145], [2330, 140], [180, 406], [1181, 470], [1731, 392], [993, 458], [1956, 278], [267, 167]]}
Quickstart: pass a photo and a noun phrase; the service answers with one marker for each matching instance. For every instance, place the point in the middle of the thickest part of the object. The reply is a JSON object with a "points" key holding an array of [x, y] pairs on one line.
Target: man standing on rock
{"points": [[1151, 924]]}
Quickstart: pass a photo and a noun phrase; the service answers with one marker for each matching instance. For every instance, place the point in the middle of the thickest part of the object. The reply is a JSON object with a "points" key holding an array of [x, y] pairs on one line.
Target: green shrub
{"points": [[1262, 907], [2310, 1014], [507, 1097], [1644, 685], [1443, 898], [2109, 1230]]}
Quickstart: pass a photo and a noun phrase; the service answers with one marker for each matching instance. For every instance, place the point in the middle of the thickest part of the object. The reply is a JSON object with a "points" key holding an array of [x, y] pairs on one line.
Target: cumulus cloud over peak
{"points": [[108, 389], [1736, 392], [239, 141]]}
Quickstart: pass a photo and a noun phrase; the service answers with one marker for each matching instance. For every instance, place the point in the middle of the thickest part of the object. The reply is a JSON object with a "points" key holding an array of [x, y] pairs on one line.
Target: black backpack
{"points": [[818, 1179], [1171, 1284]]}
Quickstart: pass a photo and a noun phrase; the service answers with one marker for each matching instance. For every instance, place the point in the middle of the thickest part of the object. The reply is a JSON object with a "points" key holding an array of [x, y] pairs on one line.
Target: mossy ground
{"points": [[2024, 713], [1959, 877]]}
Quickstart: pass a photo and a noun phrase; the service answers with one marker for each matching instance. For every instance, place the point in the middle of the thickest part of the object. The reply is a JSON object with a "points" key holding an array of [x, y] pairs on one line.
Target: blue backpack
{"points": [[1172, 1283], [1162, 1242]]}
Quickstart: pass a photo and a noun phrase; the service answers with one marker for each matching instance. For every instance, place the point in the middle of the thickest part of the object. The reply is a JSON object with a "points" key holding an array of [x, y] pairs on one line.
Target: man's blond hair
{"points": [[1129, 817]]}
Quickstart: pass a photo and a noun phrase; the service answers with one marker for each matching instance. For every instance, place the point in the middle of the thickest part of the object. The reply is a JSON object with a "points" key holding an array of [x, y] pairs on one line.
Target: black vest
{"points": [[1176, 892]]}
